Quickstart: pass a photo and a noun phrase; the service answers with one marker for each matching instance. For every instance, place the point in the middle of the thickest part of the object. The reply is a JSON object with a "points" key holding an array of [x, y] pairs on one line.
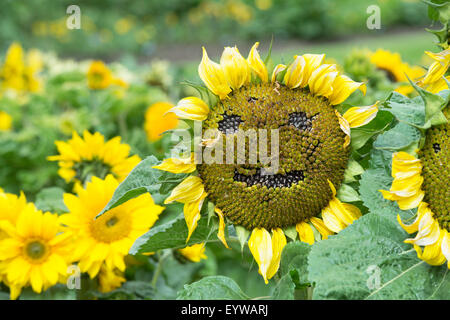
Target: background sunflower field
{"points": [[84, 116]]}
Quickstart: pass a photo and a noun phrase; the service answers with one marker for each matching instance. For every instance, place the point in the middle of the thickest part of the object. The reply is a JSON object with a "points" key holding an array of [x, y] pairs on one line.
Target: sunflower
{"points": [[157, 120], [194, 253], [396, 70], [421, 181], [314, 149], [35, 251], [10, 207], [100, 77], [81, 158], [19, 71], [5, 121], [109, 279], [106, 240]]}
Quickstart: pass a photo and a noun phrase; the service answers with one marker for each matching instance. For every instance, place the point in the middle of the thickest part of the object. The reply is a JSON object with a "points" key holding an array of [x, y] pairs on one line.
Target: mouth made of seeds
{"points": [[270, 180]]}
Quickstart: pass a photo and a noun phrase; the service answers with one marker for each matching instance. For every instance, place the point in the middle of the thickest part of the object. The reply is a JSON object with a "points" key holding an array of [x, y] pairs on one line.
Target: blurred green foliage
{"points": [[110, 26]]}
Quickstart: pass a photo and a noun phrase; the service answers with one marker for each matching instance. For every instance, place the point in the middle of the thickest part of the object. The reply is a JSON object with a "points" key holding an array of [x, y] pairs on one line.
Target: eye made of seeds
{"points": [[301, 121], [229, 123]]}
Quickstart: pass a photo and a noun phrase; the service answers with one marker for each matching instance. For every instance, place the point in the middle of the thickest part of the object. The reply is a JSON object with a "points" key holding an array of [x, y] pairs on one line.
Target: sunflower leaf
{"points": [[171, 235], [380, 266], [410, 111], [398, 138], [294, 261], [212, 288], [142, 179]]}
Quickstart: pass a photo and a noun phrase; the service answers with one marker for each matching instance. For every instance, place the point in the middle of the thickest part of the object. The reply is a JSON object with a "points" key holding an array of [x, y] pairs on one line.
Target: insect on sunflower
{"points": [[313, 150]]}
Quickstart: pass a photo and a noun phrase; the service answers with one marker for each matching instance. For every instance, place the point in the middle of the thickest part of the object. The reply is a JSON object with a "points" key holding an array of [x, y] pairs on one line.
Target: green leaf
{"points": [[434, 103], [353, 169], [242, 235], [369, 260], [285, 289], [141, 179], [347, 194], [371, 182], [294, 261], [212, 288], [410, 111], [51, 199], [398, 138], [360, 136], [131, 290], [172, 234]]}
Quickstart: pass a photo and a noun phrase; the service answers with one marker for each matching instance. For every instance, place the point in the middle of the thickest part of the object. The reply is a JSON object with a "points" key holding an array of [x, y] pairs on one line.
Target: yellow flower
{"points": [[109, 279], [107, 239], [5, 121], [10, 208], [81, 158], [19, 73], [158, 120], [100, 77], [35, 252], [191, 108], [194, 253], [396, 70], [241, 194]]}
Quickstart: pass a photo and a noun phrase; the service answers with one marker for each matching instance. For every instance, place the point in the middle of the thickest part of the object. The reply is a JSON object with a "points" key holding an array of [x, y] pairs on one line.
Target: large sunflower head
{"points": [[106, 240], [81, 158], [421, 179], [312, 147], [35, 251]]}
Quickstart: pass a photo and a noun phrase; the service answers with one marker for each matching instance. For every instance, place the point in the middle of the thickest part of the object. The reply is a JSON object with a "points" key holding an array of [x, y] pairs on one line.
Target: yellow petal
{"points": [[360, 116], [278, 243], [176, 165], [221, 232], [294, 76], [192, 214], [321, 80], [213, 76], [343, 87], [305, 232], [313, 61], [446, 247], [260, 244], [192, 108], [235, 67], [189, 190], [278, 68], [195, 252], [256, 64], [345, 127], [432, 254], [321, 227]]}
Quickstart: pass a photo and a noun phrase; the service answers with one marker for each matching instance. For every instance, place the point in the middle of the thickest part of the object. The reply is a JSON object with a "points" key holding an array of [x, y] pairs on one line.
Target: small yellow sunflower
{"points": [[194, 253], [10, 207], [422, 182], [81, 158], [19, 71], [106, 240], [298, 100], [157, 120], [396, 70], [109, 279], [35, 251], [100, 77], [5, 121]]}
